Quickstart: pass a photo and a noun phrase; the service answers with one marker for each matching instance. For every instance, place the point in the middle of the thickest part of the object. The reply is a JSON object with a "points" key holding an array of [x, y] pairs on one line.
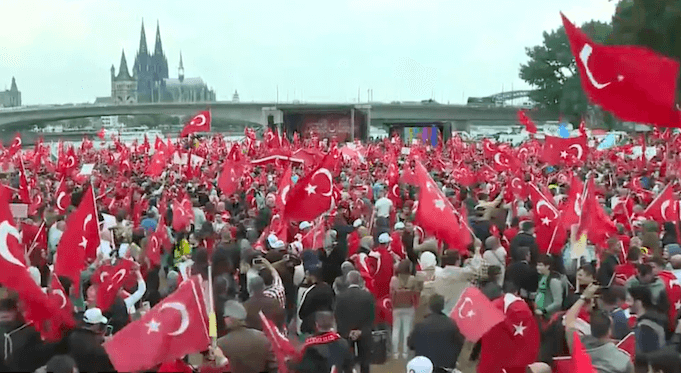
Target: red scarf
{"points": [[328, 337]]}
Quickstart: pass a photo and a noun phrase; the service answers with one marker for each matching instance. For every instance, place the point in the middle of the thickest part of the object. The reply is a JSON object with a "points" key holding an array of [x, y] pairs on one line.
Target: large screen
{"points": [[427, 135]]}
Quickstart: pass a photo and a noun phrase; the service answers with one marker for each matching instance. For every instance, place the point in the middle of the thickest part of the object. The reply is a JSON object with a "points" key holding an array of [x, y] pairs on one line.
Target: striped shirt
{"points": [[276, 290]]}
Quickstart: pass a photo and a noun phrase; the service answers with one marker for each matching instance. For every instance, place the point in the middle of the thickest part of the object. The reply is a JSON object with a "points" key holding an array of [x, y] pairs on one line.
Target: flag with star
{"points": [[514, 343], [311, 195], [548, 221], [175, 327], [436, 215], [673, 289], [80, 241]]}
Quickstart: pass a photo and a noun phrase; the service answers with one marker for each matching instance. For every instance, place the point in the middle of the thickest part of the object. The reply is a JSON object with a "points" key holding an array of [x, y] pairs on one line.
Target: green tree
{"points": [[552, 70], [654, 24]]}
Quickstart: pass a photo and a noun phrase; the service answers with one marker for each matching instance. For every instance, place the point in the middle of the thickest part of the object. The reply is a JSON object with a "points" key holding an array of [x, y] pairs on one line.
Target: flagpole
{"points": [[35, 239], [212, 320]]}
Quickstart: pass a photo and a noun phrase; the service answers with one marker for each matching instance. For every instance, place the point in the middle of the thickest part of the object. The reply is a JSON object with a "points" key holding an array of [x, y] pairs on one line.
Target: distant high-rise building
{"points": [[123, 86], [11, 97], [235, 98]]}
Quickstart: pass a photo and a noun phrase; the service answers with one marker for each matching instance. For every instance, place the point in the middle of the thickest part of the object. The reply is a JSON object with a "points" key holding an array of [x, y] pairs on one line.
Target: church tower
{"points": [[123, 86], [141, 70], [180, 70], [159, 67]]}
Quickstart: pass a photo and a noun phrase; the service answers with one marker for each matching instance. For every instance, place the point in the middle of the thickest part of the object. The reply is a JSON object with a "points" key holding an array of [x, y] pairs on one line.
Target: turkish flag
{"points": [[15, 146], [519, 187], [175, 327], [228, 182], [63, 197], [183, 214], [615, 76], [285, 185], [505, 161], [199, 123], [664, 207], [58, 294], [282, 347], [673, 288], [80, 240], [526, 121], [551, 232], [112, 279], [436, 215], [158, 163], [572, 209], [579, 362], [157, 240], [24, 191], [475, 314], [628, 346], [513, 343], [38, 307], [594, 220], [312, 195], [559, 150]]}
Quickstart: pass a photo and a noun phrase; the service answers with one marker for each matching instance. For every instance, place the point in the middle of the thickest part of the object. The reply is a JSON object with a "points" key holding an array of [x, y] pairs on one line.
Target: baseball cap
{"points": [[234, 310], [304, 225], [384, 238], [420, 364], [357, 223], [94, 316], [399, 225]]}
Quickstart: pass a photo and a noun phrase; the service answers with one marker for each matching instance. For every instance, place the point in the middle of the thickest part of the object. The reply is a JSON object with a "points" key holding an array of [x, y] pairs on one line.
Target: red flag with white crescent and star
{"points": [[664, 206], [572, 150], [112, 279], [475, 314], [513, 343], [38, 308], [80, 240], [199, 123], [612, 77], [63, 197], [313, 194], [548, 221], [175, 327]]}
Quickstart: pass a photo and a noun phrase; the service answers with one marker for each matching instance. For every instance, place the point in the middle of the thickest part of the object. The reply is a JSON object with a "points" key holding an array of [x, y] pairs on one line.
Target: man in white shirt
{"points": [[495, 255], [382, 209]]}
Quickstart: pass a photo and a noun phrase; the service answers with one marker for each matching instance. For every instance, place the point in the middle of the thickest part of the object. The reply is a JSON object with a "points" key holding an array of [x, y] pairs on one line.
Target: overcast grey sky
{"points": [[60, 51]]}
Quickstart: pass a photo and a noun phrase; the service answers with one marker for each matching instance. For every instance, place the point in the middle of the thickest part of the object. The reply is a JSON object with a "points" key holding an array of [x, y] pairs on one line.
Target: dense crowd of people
{"points": [[371, 277]]}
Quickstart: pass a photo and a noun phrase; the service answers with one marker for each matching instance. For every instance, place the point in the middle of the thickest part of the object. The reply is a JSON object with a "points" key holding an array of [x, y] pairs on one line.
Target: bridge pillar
{"points": [[271, 116], [461, 125]]}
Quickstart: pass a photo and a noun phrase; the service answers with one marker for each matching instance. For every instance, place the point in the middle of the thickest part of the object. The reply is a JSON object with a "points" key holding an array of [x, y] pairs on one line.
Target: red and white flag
{"points": [[615, 76], [175, 327], [80, 241], [63, 197], [199, 123], [664, 207], [514, 343], [110, 279], [571, 150], [475, 314]]}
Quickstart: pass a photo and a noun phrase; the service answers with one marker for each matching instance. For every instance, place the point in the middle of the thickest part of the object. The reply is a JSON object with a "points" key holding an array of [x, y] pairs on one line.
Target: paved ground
{"points": [[399, 366]]}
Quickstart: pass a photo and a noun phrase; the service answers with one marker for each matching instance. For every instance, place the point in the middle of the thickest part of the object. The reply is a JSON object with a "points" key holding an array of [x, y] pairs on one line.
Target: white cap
{"points": [[272, 239], [399, 225], [428, 260], [278, 244], [304, 225], [420, 364], [94, 316], [384, 238], [357, 223]]}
